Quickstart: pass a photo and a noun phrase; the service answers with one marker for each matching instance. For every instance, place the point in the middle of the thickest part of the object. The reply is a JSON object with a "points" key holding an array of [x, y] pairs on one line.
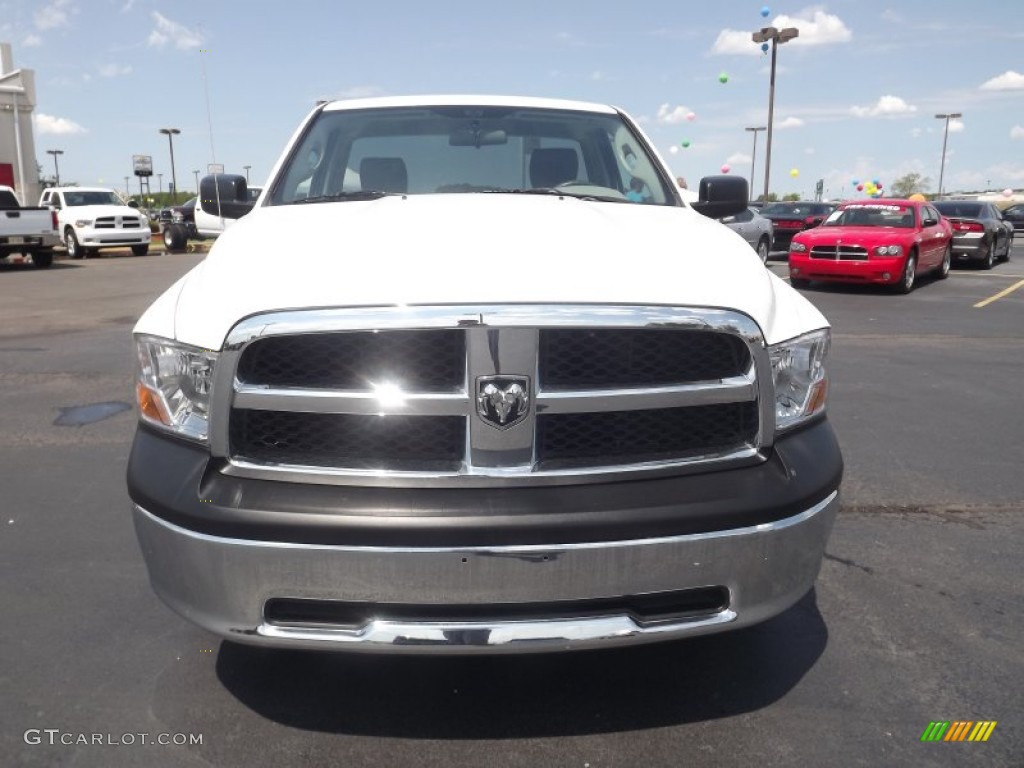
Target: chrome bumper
{"points": [[223, 584]]}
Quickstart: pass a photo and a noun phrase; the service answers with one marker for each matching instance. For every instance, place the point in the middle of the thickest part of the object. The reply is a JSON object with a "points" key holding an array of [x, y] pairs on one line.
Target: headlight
{"points": [[801, 384], [888, 250], [172, 386], [797, 247], [83, 223]]}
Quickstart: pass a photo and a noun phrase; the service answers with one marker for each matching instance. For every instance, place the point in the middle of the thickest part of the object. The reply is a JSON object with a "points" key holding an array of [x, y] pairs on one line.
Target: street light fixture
{"points": [[171, 133], [777, 38], [945, 137], [753, 157], [56, 170], [247, 167]]}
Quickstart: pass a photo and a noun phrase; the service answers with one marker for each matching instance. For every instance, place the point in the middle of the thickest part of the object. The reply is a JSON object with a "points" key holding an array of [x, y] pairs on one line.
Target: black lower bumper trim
{"points": [[177, 482]]}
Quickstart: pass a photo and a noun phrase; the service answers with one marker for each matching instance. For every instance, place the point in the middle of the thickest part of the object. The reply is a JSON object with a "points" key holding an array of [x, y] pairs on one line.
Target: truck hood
{"points": [[473, 249]]}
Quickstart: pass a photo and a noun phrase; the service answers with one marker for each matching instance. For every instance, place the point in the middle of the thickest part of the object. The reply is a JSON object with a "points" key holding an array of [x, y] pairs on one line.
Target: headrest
{"points": [[383, 174], [551, 167]]}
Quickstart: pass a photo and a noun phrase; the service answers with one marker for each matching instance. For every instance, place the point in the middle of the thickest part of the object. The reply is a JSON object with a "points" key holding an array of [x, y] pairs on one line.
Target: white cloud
{"points": [[359, 92], [891, 16], [1017, 132], [673, 115], [916, 132], [956, 126], [816, 28], [56, 126], [168, 31], [32, 41], [887, 106], [810, 151], [790, 122], [738, 158], [113, 70], [1008, 81], [53, 15]]}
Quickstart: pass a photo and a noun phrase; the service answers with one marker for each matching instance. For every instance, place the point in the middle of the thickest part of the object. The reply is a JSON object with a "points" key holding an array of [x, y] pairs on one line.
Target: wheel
{"points": [[799, 282], [174, 238], [140, 250], [1009, 246], [762, 250], [990, 258], [906, 283], [90, 253], [942, 272], [42, 259], [75, 250]]}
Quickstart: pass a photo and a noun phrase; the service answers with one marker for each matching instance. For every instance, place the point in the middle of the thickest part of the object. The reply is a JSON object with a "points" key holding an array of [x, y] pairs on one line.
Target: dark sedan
{"points": [[980, 234], [792, 217], [1015, 215]]}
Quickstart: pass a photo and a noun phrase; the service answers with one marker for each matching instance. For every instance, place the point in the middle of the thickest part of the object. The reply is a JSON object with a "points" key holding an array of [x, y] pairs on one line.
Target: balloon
{"points": [[723, 78], [918, 197], [878, 184], [860, 187], [794, 172], [875, 182], [684, 143], [673, 149], [855, 182], [764, 47], [726, 169], [765, 11], [691, 116], [1007, 192]]}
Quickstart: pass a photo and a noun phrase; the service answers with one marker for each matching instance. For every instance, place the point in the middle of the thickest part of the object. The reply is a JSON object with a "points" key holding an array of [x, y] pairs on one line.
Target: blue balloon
{"points": [[765, 11]]}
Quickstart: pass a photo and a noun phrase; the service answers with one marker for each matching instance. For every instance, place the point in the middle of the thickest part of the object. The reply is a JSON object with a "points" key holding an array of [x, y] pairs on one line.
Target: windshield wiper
{"points": [[553, 191], [363, 194]]}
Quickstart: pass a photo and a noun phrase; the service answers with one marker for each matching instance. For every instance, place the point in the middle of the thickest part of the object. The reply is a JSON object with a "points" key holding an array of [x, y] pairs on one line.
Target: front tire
{"points": [[943, 270], [140, 250], [175, 238], [75, 250], [762, 250], [906, 283]]}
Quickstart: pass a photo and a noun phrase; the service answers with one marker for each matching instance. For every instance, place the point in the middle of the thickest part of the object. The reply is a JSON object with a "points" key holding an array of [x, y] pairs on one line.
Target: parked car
{"points": [[92, 218], [1015, 215], [791, 217], [28, 231], [878, 241], [754, 228], [191, 222], [980, 234]]}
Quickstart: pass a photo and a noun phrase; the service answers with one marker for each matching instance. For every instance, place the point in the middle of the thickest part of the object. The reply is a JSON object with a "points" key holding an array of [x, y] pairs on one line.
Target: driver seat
{"points": [[551, 167]]}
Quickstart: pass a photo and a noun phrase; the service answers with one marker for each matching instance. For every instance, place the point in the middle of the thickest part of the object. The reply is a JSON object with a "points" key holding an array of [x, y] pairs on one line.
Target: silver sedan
{"points": [[754, 228]]}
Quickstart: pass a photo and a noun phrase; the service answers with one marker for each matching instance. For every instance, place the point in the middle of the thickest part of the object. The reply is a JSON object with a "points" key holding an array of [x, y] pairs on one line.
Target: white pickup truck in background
{"points": [[91, 218], [204, 225], [28, 231]]}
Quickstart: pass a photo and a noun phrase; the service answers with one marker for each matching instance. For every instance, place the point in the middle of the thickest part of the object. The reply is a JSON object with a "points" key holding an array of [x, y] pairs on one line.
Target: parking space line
{"points": [[1001, 294], [986, 274]]}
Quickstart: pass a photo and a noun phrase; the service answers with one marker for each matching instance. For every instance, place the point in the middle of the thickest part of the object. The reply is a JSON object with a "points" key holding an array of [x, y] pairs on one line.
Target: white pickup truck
{"points": [[91, 218], [28, 231], [203, 226], [470, 376]]}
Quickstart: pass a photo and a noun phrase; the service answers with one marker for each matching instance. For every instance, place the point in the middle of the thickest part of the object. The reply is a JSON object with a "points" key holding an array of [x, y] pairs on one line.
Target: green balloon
{"points": [[723, 78], [684, 144]]}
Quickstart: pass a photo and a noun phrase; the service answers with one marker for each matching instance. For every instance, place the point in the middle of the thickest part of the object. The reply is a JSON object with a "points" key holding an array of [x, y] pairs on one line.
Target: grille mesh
{"points": [[418, 361], [348, 440], [568, 440], [595, 359]]}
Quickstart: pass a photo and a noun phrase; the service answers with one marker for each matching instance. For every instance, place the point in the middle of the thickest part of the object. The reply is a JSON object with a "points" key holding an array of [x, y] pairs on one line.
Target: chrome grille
{"points": [[390, 396], [117, 222], [839, 252]]}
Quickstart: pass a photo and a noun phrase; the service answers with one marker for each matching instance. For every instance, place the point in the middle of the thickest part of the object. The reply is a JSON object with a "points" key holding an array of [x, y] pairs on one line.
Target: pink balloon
{"points": [[726, 169], [1007, 192], [690, 116], [860, 187], [878, 185]]}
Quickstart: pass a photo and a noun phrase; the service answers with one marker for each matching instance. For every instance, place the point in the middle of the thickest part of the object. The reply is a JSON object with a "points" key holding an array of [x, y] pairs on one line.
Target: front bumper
{"points": [[503, 579], [112, 238], [872, 270]]}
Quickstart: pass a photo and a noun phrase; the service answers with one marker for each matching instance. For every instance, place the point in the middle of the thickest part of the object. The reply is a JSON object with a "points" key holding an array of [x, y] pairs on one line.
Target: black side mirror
{"points": [[929, 223], [225, 195], [720, 196], [133, 204]]}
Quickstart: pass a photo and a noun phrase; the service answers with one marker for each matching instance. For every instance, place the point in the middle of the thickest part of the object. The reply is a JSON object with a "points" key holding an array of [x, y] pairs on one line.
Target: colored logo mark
{"points": [[959, 730]]}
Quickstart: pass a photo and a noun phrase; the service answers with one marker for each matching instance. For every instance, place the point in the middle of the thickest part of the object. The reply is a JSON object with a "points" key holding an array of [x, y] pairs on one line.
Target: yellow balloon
{"points": [[918, 197], [794, 173]]}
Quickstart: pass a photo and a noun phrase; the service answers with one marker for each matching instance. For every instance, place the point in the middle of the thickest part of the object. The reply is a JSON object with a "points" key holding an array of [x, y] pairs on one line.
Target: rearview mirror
{"points": [[225, 195], [474, 137], [721, 196]]}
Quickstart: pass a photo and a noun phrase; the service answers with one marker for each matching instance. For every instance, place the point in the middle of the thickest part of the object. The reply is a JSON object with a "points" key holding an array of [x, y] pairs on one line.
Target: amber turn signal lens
{"points": [[149, 405]]}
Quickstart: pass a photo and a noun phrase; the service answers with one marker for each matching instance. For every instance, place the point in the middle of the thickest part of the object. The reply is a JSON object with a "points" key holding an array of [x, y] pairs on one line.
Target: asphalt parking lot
{"points": [[917, 615]]}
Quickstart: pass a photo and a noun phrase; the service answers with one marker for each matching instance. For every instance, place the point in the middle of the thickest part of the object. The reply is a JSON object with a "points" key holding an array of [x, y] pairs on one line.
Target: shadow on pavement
{"points": [[529, 695]]}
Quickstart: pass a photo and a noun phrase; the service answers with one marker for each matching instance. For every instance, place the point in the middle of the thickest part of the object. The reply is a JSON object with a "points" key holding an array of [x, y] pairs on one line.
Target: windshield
{"points": [[869, 215], [91, 197], [366, 153]]}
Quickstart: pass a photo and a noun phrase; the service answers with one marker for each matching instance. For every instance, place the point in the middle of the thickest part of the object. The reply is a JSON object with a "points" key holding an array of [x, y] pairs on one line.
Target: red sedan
{"points": [[889, 242]]}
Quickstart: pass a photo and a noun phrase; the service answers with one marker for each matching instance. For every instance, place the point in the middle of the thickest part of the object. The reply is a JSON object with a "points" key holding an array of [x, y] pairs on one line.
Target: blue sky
{"points": [[856, 93]]}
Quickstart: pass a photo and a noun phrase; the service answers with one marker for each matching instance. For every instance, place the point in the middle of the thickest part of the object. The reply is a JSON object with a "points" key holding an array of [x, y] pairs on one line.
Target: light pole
{"points": [[56, 170], [753, 157], [777, 37], [171, 133], [247, 167], [126, 192], [196, 174], [160, 183], [945, 138]]}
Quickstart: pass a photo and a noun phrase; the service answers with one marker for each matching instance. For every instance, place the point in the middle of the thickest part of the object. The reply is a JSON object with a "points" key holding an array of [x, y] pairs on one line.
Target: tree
{"points": [[791, 197], [907, 185]]}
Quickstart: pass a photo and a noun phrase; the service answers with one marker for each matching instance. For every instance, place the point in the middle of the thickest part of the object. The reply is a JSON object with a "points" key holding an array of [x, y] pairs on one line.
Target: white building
{"points": [[18, 167]]}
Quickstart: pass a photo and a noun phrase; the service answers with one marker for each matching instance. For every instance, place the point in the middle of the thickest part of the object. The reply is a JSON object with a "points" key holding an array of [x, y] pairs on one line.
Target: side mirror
{"points": [[721, 196], [929, 223], [133, 204], [224, 195]]}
